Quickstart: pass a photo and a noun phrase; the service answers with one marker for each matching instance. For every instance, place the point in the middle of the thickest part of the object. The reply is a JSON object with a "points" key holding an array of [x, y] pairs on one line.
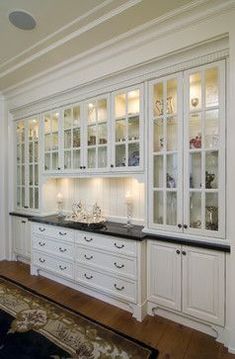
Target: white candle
{"points": [[59, 198]]}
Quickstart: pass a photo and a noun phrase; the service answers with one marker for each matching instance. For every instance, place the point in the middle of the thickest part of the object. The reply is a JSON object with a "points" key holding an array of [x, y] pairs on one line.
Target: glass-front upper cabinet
{"points": [[52, 160], [96, 128], [204, 150], [127, 129], [72, 138], [165, 129], [27, 164]]}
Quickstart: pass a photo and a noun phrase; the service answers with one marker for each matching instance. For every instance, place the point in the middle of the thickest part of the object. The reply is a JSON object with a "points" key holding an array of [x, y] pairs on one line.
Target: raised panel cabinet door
{"points": [[17, 235], [164, 271], [203, 284], [26, 238]]}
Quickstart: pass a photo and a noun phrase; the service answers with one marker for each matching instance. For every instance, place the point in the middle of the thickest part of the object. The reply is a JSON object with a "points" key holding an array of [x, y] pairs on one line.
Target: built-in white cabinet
{"points": [[21, 238], [187, 152], [187, 279], [27, 164]]}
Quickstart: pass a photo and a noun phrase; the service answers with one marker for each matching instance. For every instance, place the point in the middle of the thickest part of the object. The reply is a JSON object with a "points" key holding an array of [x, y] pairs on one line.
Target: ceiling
{"points": [[67, 28]]}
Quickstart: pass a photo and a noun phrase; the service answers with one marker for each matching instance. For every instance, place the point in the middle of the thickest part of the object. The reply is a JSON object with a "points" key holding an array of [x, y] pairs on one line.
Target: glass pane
{"points": [[23, 175], [102, 157], [120, 105], [76, 116], [18, 154], [158, 207], [195, 210], [91, 113], [67, 139], [31, 175], [133, 155], [67, 118], [31, 197], [47, 124], [31, 152], [20, 131], [76, 138], [22, 153], [195, 91], [172, 135], [91, 158], [211, 175], [171, 208], [67, 159], [120, 130], [195, 138], [195, 170], [102, 110], [55, 122], [55, 161], [158, 99], [133, 102], [158, 135], [47, 161], [33, 129], [48, 142], [35, 151], [120, 155], [91, 140], [212, 129], [55, 141], [23, 196], [36, 175], [171, 96], [133, 128], [18, 175], [171, 175], [158, 171], [102, 133], [36, 198], [18, 196], [76, 159], [212, 215], [212, 89]]}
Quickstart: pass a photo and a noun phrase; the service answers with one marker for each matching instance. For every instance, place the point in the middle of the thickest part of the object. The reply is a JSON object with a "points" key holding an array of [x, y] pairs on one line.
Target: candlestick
{"points": [[59, 199], [128, 200]]}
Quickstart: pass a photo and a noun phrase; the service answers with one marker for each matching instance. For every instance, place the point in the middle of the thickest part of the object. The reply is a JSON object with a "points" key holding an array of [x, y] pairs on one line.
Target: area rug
{"points": [[34, 327]]}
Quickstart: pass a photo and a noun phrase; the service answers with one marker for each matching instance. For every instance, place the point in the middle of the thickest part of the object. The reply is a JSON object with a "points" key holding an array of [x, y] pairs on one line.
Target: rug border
{"points": [[154, 352]]}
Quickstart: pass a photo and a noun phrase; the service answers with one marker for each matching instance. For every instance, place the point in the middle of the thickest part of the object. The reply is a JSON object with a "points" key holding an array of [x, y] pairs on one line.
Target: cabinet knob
{"points": [[185, 226], [84, 167], [80, 167], [184, 253], [111, 166], [178, 251], [26, 207], [58, 168], [179, 225], [23, 222]]}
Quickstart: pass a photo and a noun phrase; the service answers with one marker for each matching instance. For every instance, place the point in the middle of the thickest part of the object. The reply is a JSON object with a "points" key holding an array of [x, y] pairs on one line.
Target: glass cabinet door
{"points": [[97, 140], [33, 160], [166, 151], [20, 165], [51, 141], [128, 121], [72, 138], [204, 146]]}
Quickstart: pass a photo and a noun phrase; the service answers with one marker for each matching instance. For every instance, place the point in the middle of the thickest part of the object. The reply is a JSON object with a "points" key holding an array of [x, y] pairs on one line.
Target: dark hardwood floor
{"points": [[173, 341]]}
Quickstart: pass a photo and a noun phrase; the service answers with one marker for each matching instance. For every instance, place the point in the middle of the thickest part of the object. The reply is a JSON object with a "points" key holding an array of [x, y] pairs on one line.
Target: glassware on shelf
{"points": [[88, 216], [195, 210]]}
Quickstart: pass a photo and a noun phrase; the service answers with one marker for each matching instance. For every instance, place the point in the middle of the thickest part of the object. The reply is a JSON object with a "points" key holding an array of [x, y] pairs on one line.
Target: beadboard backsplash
{"points": [[109, 193]]}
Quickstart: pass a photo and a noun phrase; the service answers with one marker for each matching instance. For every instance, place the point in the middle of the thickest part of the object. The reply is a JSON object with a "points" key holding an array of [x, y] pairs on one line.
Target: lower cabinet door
{"points": [[164, 274], [21, 236], [204, 284]]}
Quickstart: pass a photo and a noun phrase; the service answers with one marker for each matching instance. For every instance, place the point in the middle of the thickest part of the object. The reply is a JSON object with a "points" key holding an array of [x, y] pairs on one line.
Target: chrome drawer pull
{"points": [[42, 229], [62, 234], [88, 277], [62, 250], [42, 260], [118, 288], [119, 247], [88, 240], [91, 257], [41, 244], [119, 266], [62, 268]]}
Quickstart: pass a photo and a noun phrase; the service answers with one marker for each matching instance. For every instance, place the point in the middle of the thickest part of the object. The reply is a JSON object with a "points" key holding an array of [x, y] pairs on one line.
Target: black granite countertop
{"points": [[119, 230]]}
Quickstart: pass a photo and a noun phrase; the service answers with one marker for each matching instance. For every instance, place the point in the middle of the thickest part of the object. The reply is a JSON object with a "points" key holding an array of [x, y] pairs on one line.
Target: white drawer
{"points": [[54, 264], [122, 246], [53, 231], [120, 288], [55, 247], [106, 261]]}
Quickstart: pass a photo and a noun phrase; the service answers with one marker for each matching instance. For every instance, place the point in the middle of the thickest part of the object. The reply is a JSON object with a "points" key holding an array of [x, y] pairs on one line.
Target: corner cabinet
{"points": [[100, 135], [186, 189]]}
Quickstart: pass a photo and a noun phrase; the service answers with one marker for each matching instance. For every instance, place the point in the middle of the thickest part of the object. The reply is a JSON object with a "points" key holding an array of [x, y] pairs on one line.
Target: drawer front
{"points": [[48, 245], [120, 288], [53, 231], [53, 264], [106, 261], [118, 245]]}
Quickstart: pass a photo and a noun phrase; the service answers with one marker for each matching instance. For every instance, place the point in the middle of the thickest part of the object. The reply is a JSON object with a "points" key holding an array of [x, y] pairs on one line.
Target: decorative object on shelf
{"points": [[196, 224], [129, 205], [209, 179], [170, 181], [134, 159], [196, 142], [89, 216], [170, 107], [60, 201], [212, 218], [159, 107], [195, 102], [161, 143]]}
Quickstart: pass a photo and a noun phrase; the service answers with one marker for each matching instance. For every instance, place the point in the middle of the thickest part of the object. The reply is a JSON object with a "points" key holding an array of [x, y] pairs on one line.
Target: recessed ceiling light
{"points": [[22, 20]]}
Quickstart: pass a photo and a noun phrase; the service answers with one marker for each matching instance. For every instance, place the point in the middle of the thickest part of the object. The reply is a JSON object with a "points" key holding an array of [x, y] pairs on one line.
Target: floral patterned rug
{"points": [[33, 327]]}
